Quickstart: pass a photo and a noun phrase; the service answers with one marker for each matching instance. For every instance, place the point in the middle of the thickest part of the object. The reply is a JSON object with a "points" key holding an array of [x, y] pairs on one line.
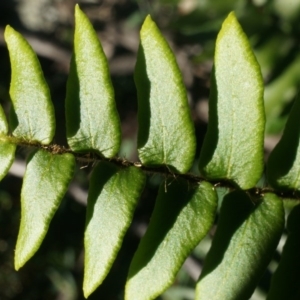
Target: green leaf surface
{"points": [[7, 149], [3, 122], [233, 147], [166, 132], [181, 218], [245, 240], [283, 167], [113, 196], [7, 156], [92, 120], [45, 182], [32, 114], [286, 280]]}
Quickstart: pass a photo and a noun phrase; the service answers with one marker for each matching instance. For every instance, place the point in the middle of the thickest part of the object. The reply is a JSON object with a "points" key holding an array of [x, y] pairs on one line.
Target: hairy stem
{"points": [[91, 158]]}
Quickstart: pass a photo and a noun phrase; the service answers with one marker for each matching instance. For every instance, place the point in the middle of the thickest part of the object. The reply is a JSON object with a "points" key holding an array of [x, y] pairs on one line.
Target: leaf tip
{"points": [[77, 10], [19, 262], [80, 16], [230, 21], [231, 17], [148, 18], [88, 288], [8, 31], [147, 23], [86, 293], [8, 28]]}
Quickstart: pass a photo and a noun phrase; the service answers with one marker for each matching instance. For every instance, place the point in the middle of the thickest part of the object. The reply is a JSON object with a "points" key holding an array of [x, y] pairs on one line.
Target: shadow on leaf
{"points": [[236, 208], [172, 199]]}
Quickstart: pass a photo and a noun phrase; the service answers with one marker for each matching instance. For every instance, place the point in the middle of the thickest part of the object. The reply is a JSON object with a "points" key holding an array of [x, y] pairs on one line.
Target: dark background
{"points": [[191, 27]]}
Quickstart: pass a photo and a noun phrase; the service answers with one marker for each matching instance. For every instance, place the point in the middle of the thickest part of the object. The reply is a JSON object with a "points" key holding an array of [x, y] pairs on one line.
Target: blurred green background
{"points": [[191, 27]]}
